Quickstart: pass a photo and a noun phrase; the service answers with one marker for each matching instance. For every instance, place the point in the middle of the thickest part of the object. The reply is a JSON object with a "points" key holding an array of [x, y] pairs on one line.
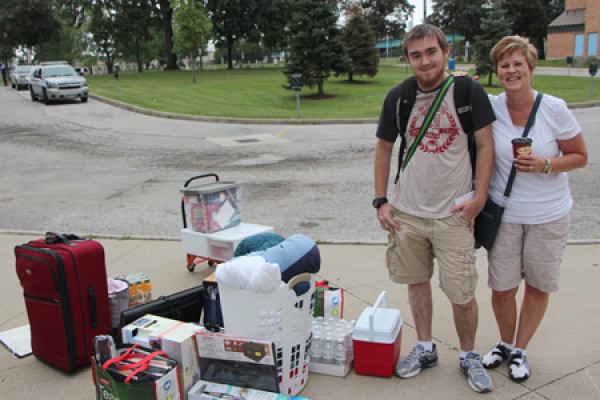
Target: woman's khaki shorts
{"points": [[530, 252], [411, 252]]}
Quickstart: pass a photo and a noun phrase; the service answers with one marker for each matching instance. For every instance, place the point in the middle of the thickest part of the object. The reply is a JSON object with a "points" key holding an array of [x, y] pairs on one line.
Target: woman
{"points": [[535, 224]]}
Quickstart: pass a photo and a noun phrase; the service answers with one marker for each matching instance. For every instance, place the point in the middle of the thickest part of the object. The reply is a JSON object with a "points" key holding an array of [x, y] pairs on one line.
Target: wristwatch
{"points": [[379, 201]]}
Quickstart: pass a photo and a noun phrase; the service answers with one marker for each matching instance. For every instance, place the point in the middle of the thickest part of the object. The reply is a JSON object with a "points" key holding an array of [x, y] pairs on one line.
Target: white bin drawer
{"points": [[219, 245]]}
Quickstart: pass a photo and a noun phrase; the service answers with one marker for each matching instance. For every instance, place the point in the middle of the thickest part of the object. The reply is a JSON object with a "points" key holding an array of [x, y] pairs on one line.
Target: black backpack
{"points": [[463, 94]]}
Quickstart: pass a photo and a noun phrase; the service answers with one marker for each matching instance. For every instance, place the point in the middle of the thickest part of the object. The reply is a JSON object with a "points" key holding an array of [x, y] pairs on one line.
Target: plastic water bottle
{"points": [[327, 352], [316, 348], [340, 350]]}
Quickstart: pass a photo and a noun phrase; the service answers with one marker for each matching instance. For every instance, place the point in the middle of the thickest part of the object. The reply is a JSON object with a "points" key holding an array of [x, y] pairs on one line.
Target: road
{"points": [[96, 169]]}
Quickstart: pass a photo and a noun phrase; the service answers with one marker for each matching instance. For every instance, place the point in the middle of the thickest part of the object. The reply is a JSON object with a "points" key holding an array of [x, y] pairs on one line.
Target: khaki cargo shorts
{"points": [[419, 241], [530, 252]]}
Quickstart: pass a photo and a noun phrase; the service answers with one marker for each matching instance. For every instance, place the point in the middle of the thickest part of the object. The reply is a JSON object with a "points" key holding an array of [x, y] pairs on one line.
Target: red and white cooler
{"points": [[377, 338]]}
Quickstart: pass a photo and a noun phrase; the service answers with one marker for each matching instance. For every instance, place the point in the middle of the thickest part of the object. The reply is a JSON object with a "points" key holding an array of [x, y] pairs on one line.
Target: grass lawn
{"points": [[259, 92]]}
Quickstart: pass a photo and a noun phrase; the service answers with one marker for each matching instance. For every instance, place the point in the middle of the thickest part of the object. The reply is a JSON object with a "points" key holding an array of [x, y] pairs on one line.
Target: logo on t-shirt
{"points": [[441, 133]]}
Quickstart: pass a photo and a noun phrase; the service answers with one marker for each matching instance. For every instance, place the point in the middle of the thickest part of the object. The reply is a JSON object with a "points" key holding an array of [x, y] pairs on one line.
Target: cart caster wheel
{"points": [[212, 263], [191, 268]]}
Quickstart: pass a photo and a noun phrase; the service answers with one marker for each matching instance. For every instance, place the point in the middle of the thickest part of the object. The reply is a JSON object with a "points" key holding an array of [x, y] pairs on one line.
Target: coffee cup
{"points": [[521, 146]]}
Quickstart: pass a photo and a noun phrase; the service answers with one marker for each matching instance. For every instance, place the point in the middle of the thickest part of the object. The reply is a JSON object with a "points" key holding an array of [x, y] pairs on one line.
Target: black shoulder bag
{"points": [[488, 221]]}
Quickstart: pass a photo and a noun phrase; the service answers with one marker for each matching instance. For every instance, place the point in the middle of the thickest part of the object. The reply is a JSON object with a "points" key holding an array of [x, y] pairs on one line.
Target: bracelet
{"points": [[547, 166]]}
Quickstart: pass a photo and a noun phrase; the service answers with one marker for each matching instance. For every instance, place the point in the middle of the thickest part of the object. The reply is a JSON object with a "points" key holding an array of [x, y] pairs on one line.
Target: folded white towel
{"points": [[250, 272]]}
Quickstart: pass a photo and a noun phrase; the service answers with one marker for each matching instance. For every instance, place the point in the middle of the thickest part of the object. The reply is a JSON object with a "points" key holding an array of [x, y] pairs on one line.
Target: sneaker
{"points": [[519, 369], [417, 360], [476, 375], [496, 356]]}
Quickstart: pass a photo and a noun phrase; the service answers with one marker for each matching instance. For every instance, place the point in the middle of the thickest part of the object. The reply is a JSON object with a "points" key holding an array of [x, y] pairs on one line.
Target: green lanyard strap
{"points": [[428, 118]]}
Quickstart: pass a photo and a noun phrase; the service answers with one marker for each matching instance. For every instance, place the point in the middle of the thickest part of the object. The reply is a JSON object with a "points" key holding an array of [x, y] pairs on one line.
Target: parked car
{"points": [[60, 81], [19, 76], [82, 70]]}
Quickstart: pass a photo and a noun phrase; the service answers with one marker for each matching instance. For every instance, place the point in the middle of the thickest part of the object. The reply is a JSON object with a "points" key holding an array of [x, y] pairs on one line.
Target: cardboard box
{"points": [[237, 361], [219, 245], [340, 370], [377, 339], [204, 390], [212, 207], [177, 339]]}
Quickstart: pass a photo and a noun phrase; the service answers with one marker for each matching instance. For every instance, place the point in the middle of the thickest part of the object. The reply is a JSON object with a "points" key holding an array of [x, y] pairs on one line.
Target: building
{"points": [[575, 32]]}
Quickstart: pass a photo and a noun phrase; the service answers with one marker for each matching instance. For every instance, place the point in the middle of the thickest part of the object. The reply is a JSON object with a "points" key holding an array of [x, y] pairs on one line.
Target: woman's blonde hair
{"points": [[508, 44]]}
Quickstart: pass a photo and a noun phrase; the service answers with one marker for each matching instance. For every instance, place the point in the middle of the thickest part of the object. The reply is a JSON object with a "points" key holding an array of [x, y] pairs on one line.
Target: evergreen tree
{"points": [[360, 42], [493, 27], [316, 46]]}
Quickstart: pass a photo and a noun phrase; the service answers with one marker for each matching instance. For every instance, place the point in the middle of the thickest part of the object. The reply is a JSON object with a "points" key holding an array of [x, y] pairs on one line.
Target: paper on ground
{"points": [[18, 340]]}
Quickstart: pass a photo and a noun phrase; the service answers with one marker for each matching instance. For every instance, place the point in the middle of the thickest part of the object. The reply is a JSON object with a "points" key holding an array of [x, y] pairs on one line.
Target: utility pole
{"points": [[424, 11]]}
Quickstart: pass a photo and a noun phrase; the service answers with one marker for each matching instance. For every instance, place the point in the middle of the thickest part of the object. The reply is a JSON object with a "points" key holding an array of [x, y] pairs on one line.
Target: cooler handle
{"points": [[382, 299]]}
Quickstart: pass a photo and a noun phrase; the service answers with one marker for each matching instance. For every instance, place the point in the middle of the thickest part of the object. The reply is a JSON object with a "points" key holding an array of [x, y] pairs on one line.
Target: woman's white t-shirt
{"points": [[535, 198]]}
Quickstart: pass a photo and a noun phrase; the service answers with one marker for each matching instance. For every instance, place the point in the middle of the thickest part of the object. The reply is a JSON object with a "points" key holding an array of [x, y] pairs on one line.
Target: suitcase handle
{"points": [[54, 238], [186, 185], [93, 306]]}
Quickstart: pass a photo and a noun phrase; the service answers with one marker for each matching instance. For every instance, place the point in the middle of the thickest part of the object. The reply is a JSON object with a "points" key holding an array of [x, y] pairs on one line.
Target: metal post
{"points": [[298, 104], [591, 87], [386, 46]]}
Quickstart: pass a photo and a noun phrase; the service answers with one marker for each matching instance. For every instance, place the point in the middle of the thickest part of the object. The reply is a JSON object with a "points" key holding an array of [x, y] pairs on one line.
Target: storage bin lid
{"points": [[209, 188], [386, 325]]}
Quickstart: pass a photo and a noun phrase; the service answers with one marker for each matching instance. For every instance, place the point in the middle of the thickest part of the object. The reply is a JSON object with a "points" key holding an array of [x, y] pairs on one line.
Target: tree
{"points": [[28, 23], [493, 27], [386, 17], [192, 28], [102, 26], [165, 15], [360, 42], [316, 48], [459, 16], [272, 21], [531, 18], [135, 23], [235, 20], [70, 44]]}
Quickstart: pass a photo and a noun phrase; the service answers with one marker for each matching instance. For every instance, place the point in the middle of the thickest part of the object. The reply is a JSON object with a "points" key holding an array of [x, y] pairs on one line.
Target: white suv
{"points": [[59, 81]]}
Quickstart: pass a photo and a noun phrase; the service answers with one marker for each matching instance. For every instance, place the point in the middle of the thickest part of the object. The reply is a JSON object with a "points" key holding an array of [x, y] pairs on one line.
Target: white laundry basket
{"points": [[279, 316]]}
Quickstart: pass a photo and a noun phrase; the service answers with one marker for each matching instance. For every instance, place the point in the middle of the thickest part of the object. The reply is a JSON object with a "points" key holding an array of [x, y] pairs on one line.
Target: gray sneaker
{"points": [[417, 360], [476, 375]]}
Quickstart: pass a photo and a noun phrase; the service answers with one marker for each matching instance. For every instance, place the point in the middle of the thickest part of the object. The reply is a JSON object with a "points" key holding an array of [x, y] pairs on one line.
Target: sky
{"points": [[418, 15]]}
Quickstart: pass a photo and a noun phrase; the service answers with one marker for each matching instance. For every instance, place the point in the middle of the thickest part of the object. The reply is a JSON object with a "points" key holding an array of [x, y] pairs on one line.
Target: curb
{"points": [[573, 242]]}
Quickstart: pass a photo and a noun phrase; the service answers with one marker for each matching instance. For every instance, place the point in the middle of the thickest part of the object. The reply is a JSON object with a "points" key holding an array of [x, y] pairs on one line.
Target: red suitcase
{"points": [[66, 297]]}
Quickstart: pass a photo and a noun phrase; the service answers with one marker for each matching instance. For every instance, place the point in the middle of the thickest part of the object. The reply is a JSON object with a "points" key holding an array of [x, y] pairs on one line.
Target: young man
{"points": [[422, 217]]}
